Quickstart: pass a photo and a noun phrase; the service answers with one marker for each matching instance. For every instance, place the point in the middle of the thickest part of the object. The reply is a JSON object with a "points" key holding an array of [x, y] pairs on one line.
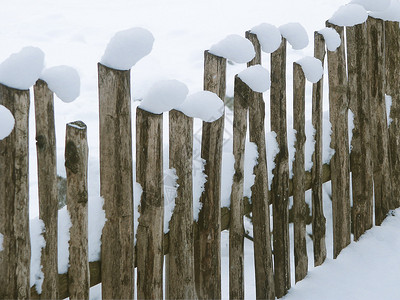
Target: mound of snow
{"points": [[349, 15], [295, 34], [257, 78], [204, 105], [392, 13], [331, 37], [312, 68], [373, 5], [7, 122], [269, 36], [64, 81], [164, 96], [235, 48], [21, 70], [127, 47]]}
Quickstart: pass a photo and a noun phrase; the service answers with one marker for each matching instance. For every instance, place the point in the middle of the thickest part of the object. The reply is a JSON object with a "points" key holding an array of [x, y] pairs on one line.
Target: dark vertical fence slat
{"points": [[318, 218], [180, 270], [265, 286], [47, 184], [150, 232], [299, 203], [378, 124], [14, 199], [116, 183], [340, 170], [76, 165], [361, 154], [280, 182], [208, 254]]}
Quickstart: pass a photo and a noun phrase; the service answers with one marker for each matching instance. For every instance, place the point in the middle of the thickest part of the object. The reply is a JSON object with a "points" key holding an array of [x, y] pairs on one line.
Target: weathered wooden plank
{"points": [[14, 199], [340, 170], [299, 202], [180, 262], [280, 182], [265, 286], [76, 165], [318, 221], [116, 183], [150, 232], [47, 185]]}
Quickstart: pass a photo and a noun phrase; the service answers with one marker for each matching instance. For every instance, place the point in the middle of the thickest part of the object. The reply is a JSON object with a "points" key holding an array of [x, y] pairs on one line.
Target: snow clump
{"points": [[7, 122], [349, 15], [257, 78], [64, 81], [38, 243], [127, 47], [392, 13], [204, 105], [269, 36], [295, 34], [331, 37], [373, 5], [164, 95], [21, 70], [235, 48], [312, 68]]}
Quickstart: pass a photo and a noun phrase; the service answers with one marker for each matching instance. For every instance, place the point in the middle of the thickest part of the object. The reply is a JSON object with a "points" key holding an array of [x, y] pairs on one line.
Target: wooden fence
{"points": [[193, 261]]}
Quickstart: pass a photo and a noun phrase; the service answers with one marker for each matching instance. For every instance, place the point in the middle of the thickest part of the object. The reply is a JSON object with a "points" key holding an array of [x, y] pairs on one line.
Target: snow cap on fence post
{"points": [[269, 37], [312, 68], [235, 48], [257, 78], [7, 122], [391, 13], [349, 15], [295, 34], [373, 5], [331, 37]]}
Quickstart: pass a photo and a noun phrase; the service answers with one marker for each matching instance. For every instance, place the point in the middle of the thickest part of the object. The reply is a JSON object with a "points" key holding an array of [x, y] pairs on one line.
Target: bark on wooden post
{"points": [[14, 199], [116, 186], [180, 268], [150, 232], [378, 124], [318, 221], [392, 63], [47, 183], [340, 176], [208, 255], [299, 203], [280, 182], [76, 165], [265, 286]]}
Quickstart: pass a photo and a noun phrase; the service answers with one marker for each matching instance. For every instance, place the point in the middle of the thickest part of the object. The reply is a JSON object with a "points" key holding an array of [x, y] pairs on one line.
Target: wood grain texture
{"points": [[14, 199], [116, 186]]}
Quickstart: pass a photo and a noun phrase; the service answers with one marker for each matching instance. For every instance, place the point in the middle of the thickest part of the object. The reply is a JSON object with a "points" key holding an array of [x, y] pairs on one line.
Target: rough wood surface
{"points": [[318, 220], [47, 185], [208, 246], [150, 232], [180, 262], [116, 186], [14, 199], [265, 286], [280, 182], [76, 166], [378, 124], [340, 169], [299, 202]]}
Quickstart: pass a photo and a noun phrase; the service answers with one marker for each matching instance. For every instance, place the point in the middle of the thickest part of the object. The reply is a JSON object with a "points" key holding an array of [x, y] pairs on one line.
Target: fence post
{"points": [[181, 244], [150, 232], [14, 199], [265, 286], [318, 218], [378, 126], [340, 176], [47, 183], [280, 182], [76, 165], [299, 172], [116, 183]]}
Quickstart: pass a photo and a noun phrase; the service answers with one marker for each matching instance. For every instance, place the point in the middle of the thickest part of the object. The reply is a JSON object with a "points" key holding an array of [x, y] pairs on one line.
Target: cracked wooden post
{"points": [[150, 232], [299, 202], [340, 162], [14, 198], [180, 259], [116, 184], [47, 185], [318, 221], [265, 286], [76, 166]]}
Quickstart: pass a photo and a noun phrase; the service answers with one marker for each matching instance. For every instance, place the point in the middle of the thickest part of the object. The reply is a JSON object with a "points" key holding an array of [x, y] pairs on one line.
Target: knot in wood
{"points": [[41, 142], [72, 157]]}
